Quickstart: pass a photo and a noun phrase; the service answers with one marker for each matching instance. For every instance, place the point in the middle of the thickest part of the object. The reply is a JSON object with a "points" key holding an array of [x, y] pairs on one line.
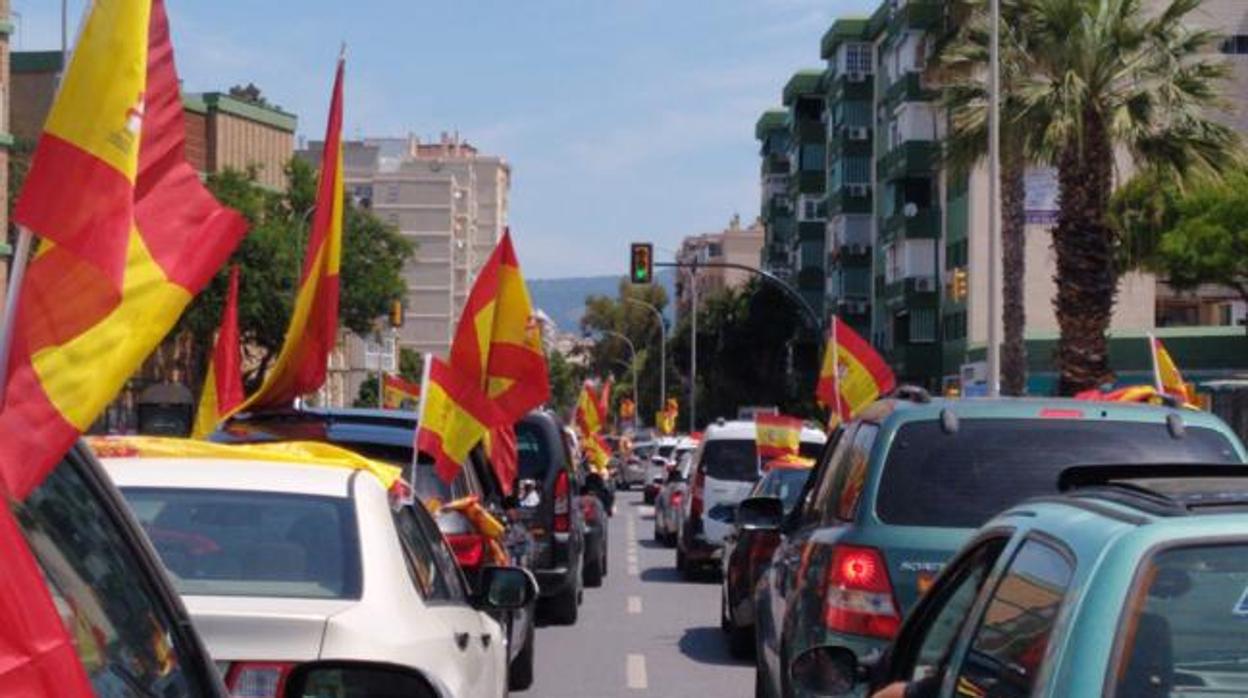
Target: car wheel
{"points": [[593, 572], [520, 674], [725, 623], [562, 609]]}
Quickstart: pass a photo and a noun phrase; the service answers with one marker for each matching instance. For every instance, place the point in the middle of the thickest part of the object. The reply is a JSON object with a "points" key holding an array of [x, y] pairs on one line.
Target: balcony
{"points": [[778, 208], [910, 159], [810, 279], [850, 141], [812, 231], [912, 290], [808, 182], [923, 225], [918, 15], [807, 131], [910, 87], [852, 86], [847, 199], [776, 165]]}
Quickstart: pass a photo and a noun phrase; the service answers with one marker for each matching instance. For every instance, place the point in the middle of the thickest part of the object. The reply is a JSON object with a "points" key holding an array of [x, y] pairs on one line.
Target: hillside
{"points": [[564, 299]]}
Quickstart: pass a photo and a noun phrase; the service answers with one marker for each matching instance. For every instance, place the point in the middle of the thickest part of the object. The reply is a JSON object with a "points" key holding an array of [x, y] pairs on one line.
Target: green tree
{"points": [[1107, 76], [270, 257], [565, 383], [963, 66], [410, 369]]}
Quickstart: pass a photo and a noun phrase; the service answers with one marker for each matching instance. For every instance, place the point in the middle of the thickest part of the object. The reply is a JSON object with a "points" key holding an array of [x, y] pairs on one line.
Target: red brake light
{"points": [[1057, 413], [858, 596], [563, 503], [677, 496], [588, 510], [257, 679], [469, 549]]}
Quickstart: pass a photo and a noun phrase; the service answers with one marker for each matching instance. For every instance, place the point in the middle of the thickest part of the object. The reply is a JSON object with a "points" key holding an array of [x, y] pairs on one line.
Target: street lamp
{"points": [[993, 357], [662, 348], [633, 361]]}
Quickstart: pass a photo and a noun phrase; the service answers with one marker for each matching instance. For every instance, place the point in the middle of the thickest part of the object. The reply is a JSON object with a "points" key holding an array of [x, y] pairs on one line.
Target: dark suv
{"points": [[549, 491], [900, 489], [387, 435]]}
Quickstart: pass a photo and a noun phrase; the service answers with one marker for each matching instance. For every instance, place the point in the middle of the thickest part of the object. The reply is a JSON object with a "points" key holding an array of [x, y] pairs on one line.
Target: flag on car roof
{"points": [[777, 435], [399, 394], [301, 363], [223, 385], [130, 235], [666, 420], [455, 416], [853, 375], [1166, 373]]}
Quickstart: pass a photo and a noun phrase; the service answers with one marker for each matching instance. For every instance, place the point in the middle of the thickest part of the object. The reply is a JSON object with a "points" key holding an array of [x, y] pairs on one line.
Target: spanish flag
{"points": [[129, 232], [399, 394], [223, 386], [313, 330], [853, 375], [456, 415], [665, 421], [589, 421], [130, 235], [777, 435], [1166, 373]]}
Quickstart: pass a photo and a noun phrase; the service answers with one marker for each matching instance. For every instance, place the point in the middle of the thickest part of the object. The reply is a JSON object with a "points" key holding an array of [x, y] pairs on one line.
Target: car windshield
{"points": [[730, 459], [784, 484], [666, 451], [534, 453], [1189, 628], [960, 480], [232, 543]]}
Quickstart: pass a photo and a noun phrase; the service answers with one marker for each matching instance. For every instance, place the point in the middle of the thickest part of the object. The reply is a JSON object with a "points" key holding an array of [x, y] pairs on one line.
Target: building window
{"points": [[1236, 44], [923, 325], [858, 58], [857, 170], [857, 114], [814, 158]]}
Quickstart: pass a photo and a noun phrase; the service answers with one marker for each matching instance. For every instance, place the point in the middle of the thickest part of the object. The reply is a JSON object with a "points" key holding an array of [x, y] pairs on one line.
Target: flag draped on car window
{"points": [[589, 419], [301, 363], [495, 358], [399, 394], [130, 235], [853, 375], [455, 417], [223, 385], [777, 435]]}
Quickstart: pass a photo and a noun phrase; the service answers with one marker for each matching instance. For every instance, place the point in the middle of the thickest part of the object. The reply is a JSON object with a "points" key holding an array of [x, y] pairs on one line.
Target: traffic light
{"points": [[396, 314], [959, 290], [641, 270]]}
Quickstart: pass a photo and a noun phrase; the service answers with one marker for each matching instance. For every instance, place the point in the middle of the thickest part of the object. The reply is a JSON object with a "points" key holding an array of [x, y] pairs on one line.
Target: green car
{"points": [[901, 488], [1132, 584]]}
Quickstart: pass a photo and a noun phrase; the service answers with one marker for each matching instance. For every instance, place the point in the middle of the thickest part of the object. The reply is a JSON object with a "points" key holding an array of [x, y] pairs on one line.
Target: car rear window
{"points": [[533, 451], [231, 543], [730, 459], [785, 484], [962, 479], [810, 449], [1188, 625], [666, 451]]}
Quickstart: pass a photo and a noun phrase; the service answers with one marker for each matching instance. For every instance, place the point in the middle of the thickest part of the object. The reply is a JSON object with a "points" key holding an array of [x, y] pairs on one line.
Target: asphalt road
{"points": [[645, 632]]}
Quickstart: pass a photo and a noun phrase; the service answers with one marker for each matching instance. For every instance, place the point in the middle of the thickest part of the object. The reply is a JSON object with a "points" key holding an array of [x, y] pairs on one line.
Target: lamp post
{"points": [[662, 349], [633, 361], [994, 205]]}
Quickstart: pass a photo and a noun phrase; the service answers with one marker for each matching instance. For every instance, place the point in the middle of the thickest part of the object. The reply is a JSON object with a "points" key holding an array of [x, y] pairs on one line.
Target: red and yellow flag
{"points": [[1166, 373], [853, 375], [399, 394], [777, 435], [665, 421], [130, 235], [223, 385], [455, 417], [589, 419], [313, 330]]}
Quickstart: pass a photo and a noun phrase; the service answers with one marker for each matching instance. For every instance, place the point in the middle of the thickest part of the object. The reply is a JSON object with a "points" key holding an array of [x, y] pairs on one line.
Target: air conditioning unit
{"points": [[856, 76], [925, 284], [858, 190], [859, 133], [857, 248], [857, 307]]}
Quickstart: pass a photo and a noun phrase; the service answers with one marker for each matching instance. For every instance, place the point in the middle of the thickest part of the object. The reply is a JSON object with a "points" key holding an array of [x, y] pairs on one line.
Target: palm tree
{"points": [[963, 66], [1106, 78]]}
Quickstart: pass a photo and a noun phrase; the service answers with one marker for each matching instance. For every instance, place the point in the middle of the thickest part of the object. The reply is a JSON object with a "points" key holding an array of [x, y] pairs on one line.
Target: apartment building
{"points": [[735, 244], [906, 239], [804, 100]]}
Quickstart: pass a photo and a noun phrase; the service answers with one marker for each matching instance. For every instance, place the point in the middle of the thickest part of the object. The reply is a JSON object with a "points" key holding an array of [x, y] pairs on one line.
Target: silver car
{"points": [[667, 505]]}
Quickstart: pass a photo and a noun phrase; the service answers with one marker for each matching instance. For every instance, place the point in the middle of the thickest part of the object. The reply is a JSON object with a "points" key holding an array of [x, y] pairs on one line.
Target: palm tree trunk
{"points": [[1013, 254], [1086, 280]]}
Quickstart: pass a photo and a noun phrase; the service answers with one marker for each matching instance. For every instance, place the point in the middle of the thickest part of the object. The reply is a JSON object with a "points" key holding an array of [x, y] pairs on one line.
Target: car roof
{"points": [[747, 429], [387, 427], [229, 474], [1033, 408]]}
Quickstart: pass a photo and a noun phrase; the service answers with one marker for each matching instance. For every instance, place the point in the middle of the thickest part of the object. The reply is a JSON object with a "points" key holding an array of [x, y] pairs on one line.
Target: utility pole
{"points": [[994, 206], [693, 352]]}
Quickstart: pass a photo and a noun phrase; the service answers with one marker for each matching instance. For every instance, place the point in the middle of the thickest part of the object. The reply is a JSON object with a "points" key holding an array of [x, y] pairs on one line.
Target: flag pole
{"points": [[1152, 353], [836, 372], [8, 321]]}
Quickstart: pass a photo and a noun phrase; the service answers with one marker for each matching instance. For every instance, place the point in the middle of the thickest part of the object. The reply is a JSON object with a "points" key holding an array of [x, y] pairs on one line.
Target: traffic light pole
{"points": [[816, 322]]}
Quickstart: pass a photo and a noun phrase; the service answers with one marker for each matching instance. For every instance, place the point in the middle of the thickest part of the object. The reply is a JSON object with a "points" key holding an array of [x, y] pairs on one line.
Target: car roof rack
{"points": [[1163, 489], [911, 393]]}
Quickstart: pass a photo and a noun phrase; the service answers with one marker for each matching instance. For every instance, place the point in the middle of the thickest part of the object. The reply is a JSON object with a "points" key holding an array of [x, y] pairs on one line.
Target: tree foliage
{"points": [[610, 356]]}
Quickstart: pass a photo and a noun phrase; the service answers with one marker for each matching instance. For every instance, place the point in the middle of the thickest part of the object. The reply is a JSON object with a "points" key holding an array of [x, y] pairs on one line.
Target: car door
{"points": [[477, 639]]}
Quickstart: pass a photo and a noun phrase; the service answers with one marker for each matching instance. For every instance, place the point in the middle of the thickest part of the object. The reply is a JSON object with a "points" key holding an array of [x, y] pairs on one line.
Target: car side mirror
{"points": [[506, 588], [826, 672], [760, 514], [356, 679]]}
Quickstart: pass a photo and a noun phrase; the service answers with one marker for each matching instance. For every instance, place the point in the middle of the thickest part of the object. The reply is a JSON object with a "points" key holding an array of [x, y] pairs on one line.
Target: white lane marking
{"points": [[632, 569], [634, 605], [637, 672]]}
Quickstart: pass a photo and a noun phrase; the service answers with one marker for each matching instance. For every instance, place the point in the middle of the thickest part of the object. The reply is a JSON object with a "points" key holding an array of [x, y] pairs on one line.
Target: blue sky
{"points": [[623, 119]]}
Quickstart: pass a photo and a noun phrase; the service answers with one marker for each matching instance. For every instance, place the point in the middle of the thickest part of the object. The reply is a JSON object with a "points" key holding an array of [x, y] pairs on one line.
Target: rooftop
{"points": [[770, 120], [804, 82], [842, 30]]}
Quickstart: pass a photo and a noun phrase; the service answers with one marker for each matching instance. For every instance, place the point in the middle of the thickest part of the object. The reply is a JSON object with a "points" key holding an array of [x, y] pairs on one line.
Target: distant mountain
{"points": [[564, 299]]}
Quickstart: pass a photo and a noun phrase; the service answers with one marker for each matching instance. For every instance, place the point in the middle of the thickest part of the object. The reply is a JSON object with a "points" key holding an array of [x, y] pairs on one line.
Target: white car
{"points": [[726, 466], [285, 563]]}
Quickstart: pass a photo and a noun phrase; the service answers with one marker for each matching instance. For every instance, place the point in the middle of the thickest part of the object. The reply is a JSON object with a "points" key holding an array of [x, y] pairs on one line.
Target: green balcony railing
{"points": [[923, 225], [909, 88], [845, 199], [808, 182], [808, 131], [852, 86], [910, 159], [916, 14], [912, 290]]}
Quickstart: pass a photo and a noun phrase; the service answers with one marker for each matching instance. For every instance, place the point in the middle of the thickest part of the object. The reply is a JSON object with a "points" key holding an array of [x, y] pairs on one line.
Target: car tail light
{"points": [[695, 494], [257, 679], [677, 497], [858, 596], [1057, 413], [469, 549], [589, 510], [563, 503]]}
